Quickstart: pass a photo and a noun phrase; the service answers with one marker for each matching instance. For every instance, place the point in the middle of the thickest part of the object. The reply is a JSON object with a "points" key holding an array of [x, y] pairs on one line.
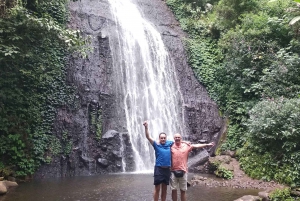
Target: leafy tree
{"points": [[274, 133], [229, 11]]}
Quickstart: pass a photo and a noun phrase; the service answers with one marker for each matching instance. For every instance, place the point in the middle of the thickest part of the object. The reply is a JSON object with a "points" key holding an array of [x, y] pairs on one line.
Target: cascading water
{"points": [[145, 79]]}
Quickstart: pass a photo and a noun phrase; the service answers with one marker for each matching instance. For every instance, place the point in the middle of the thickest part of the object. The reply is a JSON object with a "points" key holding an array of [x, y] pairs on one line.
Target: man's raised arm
{"points": [[147, 132]]}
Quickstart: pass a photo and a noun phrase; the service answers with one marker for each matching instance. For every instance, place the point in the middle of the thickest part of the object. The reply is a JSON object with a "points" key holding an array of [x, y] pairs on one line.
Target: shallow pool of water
{"points": [[112, 187]]}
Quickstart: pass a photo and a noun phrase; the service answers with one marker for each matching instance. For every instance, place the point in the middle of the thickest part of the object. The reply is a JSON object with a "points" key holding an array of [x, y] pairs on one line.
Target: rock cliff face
{"points": [[95, 127]]}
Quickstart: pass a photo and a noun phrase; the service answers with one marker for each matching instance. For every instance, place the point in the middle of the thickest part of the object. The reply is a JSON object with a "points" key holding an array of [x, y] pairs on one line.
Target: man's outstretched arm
{"points": [[196, 146], [147, 132]]}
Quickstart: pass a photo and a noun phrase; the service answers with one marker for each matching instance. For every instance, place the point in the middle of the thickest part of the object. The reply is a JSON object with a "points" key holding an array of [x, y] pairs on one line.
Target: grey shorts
{"points": [[178, 183]]}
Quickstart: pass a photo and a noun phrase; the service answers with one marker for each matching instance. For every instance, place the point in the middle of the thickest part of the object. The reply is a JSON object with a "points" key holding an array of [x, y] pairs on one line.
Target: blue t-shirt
{"points": [[163, 153]]}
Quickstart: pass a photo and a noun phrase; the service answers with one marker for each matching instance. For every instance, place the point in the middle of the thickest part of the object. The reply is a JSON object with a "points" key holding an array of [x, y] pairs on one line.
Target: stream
{"points": [[112, 187]]}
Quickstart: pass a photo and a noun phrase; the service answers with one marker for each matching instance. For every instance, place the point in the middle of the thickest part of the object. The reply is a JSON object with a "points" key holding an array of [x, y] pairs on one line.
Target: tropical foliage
{"points": [[34, 43], [246, 52], [281, 194]]}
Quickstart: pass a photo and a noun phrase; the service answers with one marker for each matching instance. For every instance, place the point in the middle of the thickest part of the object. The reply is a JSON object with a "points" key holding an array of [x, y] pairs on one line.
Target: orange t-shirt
{"points": [[180, 156]]}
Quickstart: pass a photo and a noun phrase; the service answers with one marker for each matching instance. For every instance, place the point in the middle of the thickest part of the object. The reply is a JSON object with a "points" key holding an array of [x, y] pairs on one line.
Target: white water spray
{"points": [[146, 82]]}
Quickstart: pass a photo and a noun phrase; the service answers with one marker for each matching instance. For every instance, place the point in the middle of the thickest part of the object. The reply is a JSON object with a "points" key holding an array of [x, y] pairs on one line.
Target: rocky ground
{"points": [[240, 180]]}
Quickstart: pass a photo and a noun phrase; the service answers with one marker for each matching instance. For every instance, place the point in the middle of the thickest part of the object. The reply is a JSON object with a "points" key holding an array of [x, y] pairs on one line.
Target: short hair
{"points": [[162, 133]]}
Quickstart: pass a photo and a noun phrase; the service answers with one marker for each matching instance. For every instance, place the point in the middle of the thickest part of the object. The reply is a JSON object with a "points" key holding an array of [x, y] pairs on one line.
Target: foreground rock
{"points": [[5, 185], [249, 198]]}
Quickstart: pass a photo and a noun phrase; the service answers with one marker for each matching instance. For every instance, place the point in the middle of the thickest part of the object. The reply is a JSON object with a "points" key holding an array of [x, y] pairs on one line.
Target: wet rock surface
{"points": [[81, 126], [109, 157]]}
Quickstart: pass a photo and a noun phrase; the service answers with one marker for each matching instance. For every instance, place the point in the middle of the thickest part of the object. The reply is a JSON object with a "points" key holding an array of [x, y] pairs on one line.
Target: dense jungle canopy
{"points": [[246, 53]]}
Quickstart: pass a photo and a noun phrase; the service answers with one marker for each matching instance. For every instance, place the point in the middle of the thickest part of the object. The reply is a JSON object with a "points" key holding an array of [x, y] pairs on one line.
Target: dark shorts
{"points": [[161, 175]]}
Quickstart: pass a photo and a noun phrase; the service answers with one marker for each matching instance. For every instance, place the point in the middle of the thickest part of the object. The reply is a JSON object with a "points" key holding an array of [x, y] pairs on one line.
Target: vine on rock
{"points": [[34, 44]]}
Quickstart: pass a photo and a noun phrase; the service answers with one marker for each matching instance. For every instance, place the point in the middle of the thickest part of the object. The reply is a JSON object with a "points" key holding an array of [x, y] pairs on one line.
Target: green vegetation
{"points": [[96, 123], [220, 168], [246, 53], [281, 194], [273, 123], [224, 172], [34, 43]]}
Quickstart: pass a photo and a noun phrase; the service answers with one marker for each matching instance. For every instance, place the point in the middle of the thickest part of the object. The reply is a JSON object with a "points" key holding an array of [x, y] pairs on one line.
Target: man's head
{"points": [[177, 138], [162, 138]]}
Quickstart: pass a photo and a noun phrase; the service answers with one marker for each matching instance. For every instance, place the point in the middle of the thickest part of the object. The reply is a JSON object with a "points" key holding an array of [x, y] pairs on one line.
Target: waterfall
{"points": [[146, 83], [122, 149]]}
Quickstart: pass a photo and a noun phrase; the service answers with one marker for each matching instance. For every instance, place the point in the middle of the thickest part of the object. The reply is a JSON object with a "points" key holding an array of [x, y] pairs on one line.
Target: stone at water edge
{"points": [[10, 183], [5, 185], [249, 198], [3, 188], [264, 195]]}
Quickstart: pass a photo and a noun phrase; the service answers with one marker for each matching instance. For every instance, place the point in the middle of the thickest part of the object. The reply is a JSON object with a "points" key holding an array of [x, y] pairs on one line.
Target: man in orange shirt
{"points": [[180, 151]]}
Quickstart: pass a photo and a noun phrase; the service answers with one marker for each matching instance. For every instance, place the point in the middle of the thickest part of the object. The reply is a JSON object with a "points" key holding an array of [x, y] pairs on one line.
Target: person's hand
{"points": [[145, 124], [211, 144]]}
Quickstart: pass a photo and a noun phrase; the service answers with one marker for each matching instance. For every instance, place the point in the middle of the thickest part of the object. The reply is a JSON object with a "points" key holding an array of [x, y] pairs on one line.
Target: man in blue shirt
{"points": [[162, 164]]}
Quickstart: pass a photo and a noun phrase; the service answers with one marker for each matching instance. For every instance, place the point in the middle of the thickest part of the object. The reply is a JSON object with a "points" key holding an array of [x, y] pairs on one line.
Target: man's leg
{"points": [[174, 185], [163, 192], [183, 187], [182, 195], [156, 192], [174, 195]]}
